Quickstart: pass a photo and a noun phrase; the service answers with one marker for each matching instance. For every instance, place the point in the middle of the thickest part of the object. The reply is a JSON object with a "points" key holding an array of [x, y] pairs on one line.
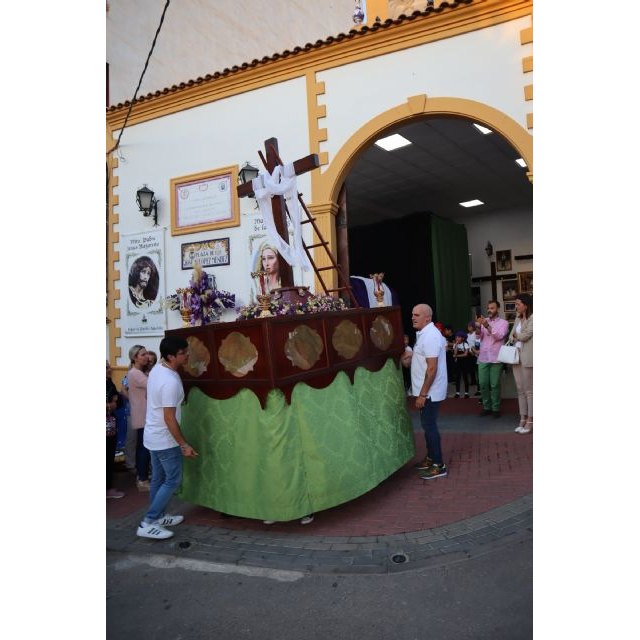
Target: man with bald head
{"points": [[428, 362]]}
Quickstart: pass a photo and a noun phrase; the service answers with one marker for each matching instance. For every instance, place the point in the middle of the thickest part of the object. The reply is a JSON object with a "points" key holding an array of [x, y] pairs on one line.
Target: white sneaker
{"points": [[169, 521], [153, 531], [307, 519], [269, 521]]}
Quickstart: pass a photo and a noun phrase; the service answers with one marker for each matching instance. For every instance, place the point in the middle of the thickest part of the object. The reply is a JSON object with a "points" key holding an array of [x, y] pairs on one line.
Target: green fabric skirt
{"points": [[328, 446]]}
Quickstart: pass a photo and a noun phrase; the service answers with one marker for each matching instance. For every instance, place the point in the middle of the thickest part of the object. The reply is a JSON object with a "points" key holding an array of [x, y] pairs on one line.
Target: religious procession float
{"points": [[298, 405]]}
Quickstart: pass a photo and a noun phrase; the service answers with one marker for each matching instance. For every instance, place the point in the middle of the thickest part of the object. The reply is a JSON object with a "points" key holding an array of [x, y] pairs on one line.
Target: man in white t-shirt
{"points": [[163, 438], [429, 385]]}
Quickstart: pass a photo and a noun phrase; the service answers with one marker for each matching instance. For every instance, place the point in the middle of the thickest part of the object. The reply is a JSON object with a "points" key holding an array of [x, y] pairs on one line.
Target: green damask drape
{"points": [[328, 446], [452, 279]]}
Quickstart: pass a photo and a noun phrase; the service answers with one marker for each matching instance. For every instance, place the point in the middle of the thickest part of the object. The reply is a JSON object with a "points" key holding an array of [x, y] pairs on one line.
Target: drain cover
{"points": [[399, 558], [184, 545]]}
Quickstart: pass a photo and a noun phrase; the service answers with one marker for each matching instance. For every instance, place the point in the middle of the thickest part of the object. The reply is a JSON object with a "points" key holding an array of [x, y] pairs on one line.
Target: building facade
{"points": [[471, 61]]}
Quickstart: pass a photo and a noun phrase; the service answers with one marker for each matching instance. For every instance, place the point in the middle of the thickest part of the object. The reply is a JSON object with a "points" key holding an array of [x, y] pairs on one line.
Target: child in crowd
{"points": [[448, 334], [460, 357], [474, 346]]}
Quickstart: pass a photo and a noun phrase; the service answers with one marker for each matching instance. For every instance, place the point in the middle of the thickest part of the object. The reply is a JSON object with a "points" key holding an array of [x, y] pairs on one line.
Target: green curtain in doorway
{"points": [[452, 280]]}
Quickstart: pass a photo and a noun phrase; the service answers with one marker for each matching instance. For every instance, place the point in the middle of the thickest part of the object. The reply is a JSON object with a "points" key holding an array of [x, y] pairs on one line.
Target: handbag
{"points": [[509, 354], [112, 428]]}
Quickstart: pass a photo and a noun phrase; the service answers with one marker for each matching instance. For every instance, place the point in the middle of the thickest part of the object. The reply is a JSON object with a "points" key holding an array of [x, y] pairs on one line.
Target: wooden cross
{"points": [[493, 278], [277, 202]]}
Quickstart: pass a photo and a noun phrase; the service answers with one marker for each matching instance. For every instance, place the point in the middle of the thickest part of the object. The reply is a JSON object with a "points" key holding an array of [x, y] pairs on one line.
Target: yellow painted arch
{"points": [[327, 185]]}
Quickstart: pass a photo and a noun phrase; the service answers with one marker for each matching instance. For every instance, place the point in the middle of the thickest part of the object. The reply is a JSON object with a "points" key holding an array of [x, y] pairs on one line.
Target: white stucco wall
{"points": [[200, 36], [484, 65], [200, 139], [507, 230]]}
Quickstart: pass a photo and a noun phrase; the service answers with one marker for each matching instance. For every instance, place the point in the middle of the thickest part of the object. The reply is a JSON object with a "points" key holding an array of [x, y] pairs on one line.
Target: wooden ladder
{"points": [[343, 282]]}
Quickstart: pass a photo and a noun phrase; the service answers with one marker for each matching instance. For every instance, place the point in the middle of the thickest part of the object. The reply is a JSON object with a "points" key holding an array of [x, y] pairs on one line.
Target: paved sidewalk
{"points": [[402, 524]]}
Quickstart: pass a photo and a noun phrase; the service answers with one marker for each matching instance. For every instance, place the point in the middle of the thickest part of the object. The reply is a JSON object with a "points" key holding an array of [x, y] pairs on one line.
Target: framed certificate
{"points": [[205, 201]]}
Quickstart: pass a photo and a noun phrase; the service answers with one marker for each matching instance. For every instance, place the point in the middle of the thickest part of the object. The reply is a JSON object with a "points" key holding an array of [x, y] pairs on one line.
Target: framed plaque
{"points": [[209, 253], [205, 201]]}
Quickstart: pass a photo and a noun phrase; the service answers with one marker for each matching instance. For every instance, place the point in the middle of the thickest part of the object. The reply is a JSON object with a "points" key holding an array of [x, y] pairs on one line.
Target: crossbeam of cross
{"points": [[272, 159]]}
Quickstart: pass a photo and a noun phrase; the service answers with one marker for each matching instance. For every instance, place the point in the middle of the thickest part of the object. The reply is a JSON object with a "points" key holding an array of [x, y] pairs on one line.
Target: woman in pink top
{"points": [[138, 409]]}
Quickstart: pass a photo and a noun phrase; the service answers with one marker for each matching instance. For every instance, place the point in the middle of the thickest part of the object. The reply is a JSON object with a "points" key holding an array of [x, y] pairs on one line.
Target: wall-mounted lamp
{"points": [[247, 173], [489, 249], [147, 203]]}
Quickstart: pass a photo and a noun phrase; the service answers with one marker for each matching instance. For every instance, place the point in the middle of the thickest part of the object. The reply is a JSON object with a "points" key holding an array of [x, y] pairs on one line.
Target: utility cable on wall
{"points": [[146, 64]]}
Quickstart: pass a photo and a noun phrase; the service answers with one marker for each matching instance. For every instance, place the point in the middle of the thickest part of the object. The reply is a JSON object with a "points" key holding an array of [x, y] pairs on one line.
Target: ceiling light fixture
{"points": [[482, 129], [471, 203], [522, 163], [392, 142]]}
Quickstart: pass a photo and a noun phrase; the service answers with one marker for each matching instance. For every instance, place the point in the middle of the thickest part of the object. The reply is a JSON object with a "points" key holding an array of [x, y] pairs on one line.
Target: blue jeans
{"points": [[428, 417], [166, 478]]}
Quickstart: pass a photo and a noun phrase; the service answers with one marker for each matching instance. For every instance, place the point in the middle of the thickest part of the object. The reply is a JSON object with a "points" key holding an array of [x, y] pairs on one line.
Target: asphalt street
{"points": [[161, 597]]}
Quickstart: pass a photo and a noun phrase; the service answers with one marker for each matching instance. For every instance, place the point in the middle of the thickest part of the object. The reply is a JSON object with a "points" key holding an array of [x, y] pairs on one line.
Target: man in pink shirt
{"points": [[493, 330]]}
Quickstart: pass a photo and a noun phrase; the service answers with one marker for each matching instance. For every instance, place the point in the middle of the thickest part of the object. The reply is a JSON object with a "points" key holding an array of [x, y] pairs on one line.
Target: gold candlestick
{"points": [[186, 317], [185, 312], [378, 292], [264, 300]]}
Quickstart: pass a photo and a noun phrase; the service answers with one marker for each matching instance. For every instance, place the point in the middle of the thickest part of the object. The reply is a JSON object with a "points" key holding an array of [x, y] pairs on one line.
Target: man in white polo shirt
{"points": [[428, 363], [163, 438]]}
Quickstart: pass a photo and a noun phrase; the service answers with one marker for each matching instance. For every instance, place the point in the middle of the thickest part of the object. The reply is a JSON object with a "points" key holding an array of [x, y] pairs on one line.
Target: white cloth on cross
{"points": [[282, 182]]}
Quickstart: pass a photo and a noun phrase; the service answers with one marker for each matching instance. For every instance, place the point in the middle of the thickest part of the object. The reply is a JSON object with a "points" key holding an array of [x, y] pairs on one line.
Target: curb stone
{"points": [[508, 524]]}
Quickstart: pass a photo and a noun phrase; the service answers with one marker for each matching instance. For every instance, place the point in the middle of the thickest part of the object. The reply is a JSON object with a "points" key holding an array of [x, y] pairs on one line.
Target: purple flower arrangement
{"points": [[204, 302], [314, 304]]}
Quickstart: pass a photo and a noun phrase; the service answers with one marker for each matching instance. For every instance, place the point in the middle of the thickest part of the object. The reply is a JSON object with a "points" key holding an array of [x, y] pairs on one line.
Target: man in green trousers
{"points": [[493, 330]]}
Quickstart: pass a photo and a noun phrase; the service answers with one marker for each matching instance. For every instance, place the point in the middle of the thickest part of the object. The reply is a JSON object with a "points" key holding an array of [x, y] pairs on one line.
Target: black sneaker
{"points": [[486, 412], [496, 414], [435, 471], [466, 396], [477, 393], [457, 395]]}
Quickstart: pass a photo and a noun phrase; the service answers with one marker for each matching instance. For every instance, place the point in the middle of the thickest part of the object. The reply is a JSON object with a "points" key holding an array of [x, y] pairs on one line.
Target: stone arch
{"points": [[328, 183]]}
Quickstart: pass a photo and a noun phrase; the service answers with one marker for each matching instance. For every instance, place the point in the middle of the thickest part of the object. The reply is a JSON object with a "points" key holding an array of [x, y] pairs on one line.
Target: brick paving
{"points": [[485, 500]]}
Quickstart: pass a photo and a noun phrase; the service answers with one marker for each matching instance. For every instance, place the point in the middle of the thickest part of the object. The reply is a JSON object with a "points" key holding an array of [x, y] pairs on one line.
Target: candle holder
{"points": [[264, 300], [378, 291], [186, 317], [185, 312], [379, 294]]}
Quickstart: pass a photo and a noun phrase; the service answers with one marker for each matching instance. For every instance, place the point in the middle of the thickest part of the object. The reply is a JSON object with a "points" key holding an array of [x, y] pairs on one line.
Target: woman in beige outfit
{"points": [[522, 336]]}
